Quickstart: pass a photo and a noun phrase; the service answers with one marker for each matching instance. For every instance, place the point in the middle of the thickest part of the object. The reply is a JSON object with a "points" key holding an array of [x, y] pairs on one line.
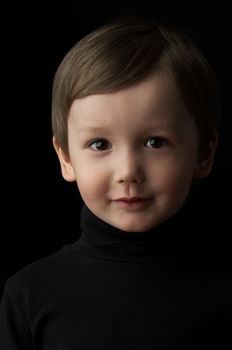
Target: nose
{"points": [[130, 169]]}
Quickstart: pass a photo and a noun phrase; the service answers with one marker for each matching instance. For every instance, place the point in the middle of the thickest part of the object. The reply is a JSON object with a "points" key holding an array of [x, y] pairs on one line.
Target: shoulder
{"points": [[43, 272]]}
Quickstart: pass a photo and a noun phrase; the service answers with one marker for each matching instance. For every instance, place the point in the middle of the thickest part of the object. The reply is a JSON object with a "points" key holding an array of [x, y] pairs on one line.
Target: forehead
{"points": [[156, 99]]}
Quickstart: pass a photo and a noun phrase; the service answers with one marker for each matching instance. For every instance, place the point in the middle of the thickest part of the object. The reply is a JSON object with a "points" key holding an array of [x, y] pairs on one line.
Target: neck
{"points": [[168, 240]]}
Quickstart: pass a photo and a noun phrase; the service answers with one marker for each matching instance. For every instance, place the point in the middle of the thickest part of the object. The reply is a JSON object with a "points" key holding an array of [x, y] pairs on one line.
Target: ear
{"points": [[65, 163], [206, 159]]}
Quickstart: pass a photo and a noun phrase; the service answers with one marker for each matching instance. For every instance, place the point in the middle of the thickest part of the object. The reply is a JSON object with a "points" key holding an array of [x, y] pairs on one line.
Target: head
{"points": [[134, 116]]}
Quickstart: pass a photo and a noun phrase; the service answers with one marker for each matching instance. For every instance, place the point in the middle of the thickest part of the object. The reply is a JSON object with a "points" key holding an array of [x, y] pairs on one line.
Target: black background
{"points": [[40, 211]]}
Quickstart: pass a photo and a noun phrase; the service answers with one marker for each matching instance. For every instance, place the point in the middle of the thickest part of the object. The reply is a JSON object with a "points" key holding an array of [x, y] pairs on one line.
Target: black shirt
{"points": [[119, 290]]}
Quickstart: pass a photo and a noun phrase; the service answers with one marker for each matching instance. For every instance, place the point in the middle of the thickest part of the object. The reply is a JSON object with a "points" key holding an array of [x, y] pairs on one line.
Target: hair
{"points": [[125, 51]]}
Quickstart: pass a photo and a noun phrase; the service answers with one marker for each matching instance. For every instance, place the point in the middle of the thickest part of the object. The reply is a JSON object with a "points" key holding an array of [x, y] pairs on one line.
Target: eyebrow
{"points": [[170, 127], [92, 128]]}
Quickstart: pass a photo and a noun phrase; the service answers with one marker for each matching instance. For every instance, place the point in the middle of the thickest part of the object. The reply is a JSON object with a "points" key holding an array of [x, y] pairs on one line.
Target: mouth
{"points": [[134, 203]]}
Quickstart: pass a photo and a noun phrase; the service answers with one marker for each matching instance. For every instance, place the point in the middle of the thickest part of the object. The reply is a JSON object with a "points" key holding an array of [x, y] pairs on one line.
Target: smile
{"points": [[134, 203]]}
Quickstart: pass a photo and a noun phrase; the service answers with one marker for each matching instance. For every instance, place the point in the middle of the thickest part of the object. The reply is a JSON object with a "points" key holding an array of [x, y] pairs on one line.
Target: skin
{"points": [[147, 146]]}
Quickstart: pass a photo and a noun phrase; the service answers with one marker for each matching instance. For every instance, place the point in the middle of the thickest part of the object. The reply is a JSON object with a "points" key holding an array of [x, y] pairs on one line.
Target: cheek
{"points": [[92, 181], [174, 176]]}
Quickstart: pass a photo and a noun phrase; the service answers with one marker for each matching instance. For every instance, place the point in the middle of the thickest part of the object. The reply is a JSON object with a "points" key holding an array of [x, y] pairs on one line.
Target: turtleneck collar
{"points": [[98, 238]]}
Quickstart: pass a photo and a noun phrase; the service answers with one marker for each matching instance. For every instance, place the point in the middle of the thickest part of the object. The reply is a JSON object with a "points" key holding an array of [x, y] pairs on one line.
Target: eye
{"points": [[156, 142], [99, 145]]}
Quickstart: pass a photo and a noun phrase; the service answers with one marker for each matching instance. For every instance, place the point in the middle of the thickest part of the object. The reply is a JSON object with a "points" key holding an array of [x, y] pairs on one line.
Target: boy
{"points": [[134, 119]]}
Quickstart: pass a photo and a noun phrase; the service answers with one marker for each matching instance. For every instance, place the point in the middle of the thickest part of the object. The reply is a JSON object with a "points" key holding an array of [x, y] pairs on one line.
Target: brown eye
{"points": [[156, 142], [99, 145]]}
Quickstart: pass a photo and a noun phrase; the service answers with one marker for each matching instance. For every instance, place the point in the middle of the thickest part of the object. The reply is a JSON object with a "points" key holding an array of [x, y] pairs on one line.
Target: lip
{"points": [[134, 203]]}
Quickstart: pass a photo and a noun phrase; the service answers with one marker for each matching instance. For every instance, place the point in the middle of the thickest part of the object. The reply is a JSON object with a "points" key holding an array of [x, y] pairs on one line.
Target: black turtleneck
{"points": [[119, 290], [165, 242]]}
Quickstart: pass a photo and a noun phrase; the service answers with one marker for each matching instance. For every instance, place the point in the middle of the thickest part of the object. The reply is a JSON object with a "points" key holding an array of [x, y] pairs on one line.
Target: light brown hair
{"points": [[123, 52]]}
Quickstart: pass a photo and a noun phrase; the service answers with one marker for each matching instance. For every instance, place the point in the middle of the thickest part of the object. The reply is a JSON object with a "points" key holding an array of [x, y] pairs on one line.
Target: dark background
{"points": [[40, 211]]}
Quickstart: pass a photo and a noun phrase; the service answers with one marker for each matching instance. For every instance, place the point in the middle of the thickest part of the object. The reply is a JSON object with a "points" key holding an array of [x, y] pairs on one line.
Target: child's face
{"points": [[137, 142]]}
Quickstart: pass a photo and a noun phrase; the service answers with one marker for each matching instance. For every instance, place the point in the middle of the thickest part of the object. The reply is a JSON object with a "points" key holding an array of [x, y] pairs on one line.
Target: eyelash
{"points": [[161, 142]]}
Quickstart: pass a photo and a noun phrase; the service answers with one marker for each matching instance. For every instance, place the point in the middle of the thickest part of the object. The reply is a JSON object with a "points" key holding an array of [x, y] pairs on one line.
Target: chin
{"points": [[136, 227]]}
